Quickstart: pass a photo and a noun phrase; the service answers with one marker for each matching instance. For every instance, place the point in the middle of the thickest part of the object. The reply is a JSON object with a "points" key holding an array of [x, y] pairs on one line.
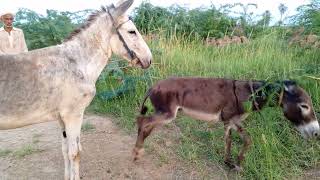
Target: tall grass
{"points": [[278, 151]]}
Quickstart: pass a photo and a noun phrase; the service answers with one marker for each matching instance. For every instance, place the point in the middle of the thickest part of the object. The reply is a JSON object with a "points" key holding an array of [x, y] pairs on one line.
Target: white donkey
{"points": [[58, 82]]}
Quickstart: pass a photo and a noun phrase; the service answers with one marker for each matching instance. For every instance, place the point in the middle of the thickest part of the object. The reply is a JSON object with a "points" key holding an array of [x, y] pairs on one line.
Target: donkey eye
{"points": [[132, 32]]}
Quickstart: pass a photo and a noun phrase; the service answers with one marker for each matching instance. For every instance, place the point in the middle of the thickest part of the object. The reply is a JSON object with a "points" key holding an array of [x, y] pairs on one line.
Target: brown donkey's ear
{"points": [[305, 108], [290, 87], [121, 7]]}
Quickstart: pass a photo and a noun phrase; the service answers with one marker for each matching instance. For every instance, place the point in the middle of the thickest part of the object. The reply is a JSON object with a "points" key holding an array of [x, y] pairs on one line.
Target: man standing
{"points": [[11, 39]]}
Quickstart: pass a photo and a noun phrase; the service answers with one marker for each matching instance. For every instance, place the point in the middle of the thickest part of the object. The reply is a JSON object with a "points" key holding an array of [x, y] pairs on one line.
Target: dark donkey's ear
{"points": [[290, 86]]}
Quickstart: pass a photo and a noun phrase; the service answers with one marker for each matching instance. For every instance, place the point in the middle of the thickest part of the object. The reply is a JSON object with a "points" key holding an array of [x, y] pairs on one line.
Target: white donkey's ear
{"points": [[121, 7]]}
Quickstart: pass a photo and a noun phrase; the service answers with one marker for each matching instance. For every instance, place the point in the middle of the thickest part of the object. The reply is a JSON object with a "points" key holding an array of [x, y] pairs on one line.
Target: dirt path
{"points": [[34, 152]]}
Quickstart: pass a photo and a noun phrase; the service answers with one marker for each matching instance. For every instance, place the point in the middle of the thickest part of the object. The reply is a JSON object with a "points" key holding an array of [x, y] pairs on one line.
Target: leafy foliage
{"points": [[202, 22], [282, 9], [309, 17], [177, 20], [43, 31]]}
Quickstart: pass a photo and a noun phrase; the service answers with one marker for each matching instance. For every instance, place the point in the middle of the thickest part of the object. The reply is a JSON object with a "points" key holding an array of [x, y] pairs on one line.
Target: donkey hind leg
{"points": [[227, 150], [64, 142], [145, 127], [246, 143], [73, 122]]}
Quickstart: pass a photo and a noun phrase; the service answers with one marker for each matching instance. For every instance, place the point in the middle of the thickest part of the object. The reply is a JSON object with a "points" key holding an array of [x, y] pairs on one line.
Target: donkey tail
{"points": [[143, 108]]}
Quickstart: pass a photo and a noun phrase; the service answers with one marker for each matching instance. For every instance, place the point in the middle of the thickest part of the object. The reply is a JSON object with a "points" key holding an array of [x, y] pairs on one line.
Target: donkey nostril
{"points": [[315, 134]]}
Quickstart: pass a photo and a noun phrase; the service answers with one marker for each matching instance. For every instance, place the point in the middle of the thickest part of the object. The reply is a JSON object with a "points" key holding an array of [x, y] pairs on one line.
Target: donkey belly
{"points": [[201, 115], [22, 111], [17, 121]]}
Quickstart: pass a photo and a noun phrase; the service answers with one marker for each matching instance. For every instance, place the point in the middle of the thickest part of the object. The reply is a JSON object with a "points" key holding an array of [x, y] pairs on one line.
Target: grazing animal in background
{"points": [[218, 99], [58, 82]]}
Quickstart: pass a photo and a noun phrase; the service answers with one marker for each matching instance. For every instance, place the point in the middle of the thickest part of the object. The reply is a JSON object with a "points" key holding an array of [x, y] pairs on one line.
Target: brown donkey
{"points": [[217, 99]]}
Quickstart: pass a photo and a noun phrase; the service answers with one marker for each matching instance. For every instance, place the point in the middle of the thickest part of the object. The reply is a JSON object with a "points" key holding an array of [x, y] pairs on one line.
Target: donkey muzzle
{"points": [[310, 130]]}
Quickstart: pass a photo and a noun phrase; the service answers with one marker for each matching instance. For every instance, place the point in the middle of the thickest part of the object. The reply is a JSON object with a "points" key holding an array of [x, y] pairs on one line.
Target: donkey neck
{"points": [[264, 94], [90, 48]]}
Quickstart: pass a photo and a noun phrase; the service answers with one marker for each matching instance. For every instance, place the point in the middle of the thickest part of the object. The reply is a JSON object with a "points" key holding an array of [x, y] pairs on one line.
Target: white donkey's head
{"points": [[126, 41]]}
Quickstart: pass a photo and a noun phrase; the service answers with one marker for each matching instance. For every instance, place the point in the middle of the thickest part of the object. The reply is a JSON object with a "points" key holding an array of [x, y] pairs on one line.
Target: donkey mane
{"points": [[92, 17]]}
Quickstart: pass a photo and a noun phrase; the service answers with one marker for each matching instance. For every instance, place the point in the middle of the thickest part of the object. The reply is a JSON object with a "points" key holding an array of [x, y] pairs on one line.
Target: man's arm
{"points": [[1, 51], [23, 44], [1, 45]]}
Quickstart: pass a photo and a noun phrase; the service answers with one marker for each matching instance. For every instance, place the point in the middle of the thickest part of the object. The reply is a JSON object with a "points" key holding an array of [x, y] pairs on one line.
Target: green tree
{"points": [[245, 16], [282, 9], [43, 31], [149, 18], [177, 20], [265, 20], [309, 17]]}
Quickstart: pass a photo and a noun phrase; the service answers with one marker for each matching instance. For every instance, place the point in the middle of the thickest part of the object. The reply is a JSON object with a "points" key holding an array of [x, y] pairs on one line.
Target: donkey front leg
{"points": [[64, 142], [73, 122], [227, 147], [246, 143]]}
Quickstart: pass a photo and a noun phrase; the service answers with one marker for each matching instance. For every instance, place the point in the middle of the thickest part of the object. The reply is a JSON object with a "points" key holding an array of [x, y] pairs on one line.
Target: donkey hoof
{"points": [[237, 168], [230, 164], [233, 166], [137, 153]]}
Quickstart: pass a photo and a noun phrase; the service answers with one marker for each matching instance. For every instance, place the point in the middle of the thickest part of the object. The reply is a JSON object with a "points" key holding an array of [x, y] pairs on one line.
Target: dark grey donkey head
{"points": [[297, 107]]}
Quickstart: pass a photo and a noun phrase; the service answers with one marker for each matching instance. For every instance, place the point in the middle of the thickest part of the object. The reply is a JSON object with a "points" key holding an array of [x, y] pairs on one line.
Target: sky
{"points": [[40, 6]]}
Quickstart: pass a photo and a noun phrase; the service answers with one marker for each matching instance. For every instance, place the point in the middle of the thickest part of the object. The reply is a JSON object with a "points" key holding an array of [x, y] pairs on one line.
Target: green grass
{"points": [[35, 138], [25, 150], [4, 152], [87, 126], [278, 151]]}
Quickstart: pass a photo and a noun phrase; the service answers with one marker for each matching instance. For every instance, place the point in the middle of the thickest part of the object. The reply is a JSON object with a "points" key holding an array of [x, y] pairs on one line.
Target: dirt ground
{"points": [[34, 152]]}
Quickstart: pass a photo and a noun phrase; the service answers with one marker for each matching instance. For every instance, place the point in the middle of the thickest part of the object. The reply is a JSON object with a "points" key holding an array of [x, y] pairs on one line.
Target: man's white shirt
{"points": [[13, 43]]}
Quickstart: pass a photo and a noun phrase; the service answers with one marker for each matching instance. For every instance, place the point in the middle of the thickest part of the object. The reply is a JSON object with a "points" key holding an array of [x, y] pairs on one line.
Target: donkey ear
{"points": [[290, 87], [121, 7], [305, 108]]}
